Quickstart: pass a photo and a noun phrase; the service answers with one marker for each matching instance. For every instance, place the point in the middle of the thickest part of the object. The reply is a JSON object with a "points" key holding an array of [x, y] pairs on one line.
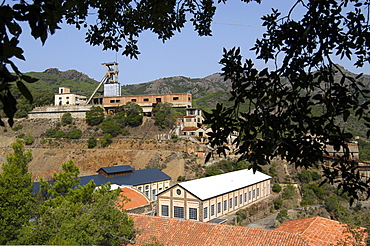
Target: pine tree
{"points": [[16, 200]]}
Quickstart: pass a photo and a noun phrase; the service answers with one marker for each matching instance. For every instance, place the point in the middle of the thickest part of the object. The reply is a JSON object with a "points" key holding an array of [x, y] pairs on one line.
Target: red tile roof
{"points": [[137, 199], [167, 231], [319, 231], [315, 231]]}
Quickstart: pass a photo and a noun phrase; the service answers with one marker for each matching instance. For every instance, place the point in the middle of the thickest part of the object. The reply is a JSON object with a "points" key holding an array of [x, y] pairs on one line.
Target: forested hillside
{"points": [[206, 92]]}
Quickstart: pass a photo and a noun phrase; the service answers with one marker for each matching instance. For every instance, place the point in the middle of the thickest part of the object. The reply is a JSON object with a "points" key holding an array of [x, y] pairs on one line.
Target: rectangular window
{"points": [[178, 212], [147, 193], [192, 133], [250, 195], [236, 201], [118, 101], [225, 205], [146, 99], [241, 199], [188, 120], [112, 101], [164, 210], [258, 191], [254, 194], [133, 100], [212, 209], [231, 203], [184, 133], [154, 192], [205, 213], [193, 213], [219, 207], [245, 197], [175, 98]]}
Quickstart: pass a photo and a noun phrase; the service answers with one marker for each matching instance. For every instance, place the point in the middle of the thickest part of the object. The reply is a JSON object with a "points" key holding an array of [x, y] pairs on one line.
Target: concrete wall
{"points": [[56, 112]]}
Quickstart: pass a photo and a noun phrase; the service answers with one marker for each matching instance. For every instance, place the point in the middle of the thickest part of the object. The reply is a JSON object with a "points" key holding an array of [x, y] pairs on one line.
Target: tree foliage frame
{"points": [[294, 109]]}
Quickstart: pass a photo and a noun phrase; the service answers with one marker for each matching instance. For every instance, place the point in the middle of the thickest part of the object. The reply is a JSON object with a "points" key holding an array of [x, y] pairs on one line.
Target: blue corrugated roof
{"points": [[117, 169], [138, 177]]}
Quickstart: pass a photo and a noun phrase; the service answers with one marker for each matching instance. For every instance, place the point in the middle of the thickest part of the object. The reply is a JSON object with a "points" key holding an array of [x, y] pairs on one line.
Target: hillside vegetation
{"points": [[206, 92]]}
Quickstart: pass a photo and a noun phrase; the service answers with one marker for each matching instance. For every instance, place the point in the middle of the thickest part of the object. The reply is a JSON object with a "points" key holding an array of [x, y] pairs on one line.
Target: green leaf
{"points": [[24, 90]]}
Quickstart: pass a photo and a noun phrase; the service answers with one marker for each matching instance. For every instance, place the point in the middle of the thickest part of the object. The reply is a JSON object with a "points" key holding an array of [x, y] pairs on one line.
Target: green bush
{"points": [[181, 178], [28, 140], [17, 128], [60, 134], [276, 187], [54, 133], [164, 115], [95, 116], [288, 192], [133, 114], [282, 216], [278, 203], [66, 119], [307, 176], [111, 127], [106, 140], [92, 142], [75, 133]]}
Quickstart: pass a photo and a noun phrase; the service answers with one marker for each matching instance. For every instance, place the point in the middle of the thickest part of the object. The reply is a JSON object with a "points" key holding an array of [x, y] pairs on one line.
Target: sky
{"points": [[185, 54]]}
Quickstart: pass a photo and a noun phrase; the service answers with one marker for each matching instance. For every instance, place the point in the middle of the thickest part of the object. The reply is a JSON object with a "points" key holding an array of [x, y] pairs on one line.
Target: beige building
{"points": [[211, 197], [65, 97], [192, 124], [147, 102]]}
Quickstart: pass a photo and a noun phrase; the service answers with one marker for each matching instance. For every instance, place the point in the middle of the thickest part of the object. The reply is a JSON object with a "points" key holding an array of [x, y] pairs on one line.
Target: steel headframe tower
{"points": [[110, 80]]}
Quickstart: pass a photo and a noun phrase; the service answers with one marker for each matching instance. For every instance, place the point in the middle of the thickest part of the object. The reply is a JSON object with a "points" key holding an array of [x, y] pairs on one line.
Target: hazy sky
{"points": [[186, 54]]}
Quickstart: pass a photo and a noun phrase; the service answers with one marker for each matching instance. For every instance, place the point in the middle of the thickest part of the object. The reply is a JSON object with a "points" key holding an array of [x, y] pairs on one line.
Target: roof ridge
{"points": [[211, 224], [314, 220]]}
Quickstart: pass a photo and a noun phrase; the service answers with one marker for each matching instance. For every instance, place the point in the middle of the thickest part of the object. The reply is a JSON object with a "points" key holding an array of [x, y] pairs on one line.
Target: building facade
{"points": [[65, 97], [148, 102], [148, 181], [212, 197]]}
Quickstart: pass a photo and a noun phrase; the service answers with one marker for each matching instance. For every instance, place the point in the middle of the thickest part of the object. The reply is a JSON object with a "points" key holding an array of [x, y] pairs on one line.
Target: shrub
{"points": [[17, 128], [278, 203], [106, 140], [95, 116], [50, 133], [28, 140], [75, 133], [92, 142], [276, 187], [306, 176], [288, 192], [60, 134], [133, 114], [66, 119], [181, 178], [164, 115], [111, 127], [282, 216]]}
